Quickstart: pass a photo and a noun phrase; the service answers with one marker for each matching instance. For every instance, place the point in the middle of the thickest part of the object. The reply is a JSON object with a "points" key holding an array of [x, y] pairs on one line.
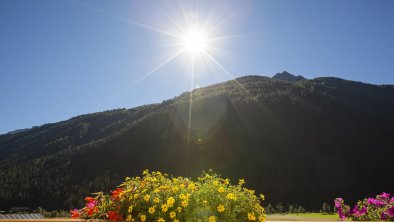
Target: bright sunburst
{"points": [[194, 39], [195, 42]]}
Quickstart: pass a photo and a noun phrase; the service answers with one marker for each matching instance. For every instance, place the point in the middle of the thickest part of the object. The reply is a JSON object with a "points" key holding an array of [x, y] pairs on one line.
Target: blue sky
{"points": [[59, 59]]}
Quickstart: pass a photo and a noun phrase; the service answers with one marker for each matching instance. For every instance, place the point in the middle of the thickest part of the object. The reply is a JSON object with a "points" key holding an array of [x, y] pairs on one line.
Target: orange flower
{"points": [[91, 210], [74, 214], [112, 215], [116, 194]]}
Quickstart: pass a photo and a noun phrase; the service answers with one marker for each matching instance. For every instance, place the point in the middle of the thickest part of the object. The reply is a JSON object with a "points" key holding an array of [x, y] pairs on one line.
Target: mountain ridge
{"points": [[15, 131], [285, 76]]}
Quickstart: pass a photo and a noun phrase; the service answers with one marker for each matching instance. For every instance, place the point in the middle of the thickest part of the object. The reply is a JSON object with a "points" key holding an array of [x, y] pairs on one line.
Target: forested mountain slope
{"points": [[295, 140]]}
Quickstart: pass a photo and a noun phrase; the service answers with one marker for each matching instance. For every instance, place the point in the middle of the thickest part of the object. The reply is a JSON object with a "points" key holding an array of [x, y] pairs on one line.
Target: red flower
{"points": [[116, 194], [91, 210], [112, 215], [89, 199], [75, 214]]}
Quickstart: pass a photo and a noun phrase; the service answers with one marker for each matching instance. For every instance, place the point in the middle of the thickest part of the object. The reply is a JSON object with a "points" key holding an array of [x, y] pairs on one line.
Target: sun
{"points": [[194, 42]]}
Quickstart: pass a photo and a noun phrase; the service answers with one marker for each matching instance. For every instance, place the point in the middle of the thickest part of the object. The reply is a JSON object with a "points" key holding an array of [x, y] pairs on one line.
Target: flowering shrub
{"points": [[157, 197], [379, 208]]}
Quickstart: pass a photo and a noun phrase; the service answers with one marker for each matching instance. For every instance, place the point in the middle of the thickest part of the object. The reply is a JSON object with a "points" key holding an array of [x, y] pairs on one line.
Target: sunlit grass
{"points": [[302, 217]]}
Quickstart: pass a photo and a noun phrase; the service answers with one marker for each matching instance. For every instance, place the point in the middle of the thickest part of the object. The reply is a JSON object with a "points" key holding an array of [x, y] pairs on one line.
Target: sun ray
{"points": [[227, 72], [185, 18], [191, 36], [157, 68], [147, 27], [221, 22], [177, 25], [189, 123], [225, 37], [218, 64]]}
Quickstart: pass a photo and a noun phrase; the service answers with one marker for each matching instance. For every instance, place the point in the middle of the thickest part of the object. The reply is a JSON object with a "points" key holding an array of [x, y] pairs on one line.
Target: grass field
{"points": [[302, 217]]}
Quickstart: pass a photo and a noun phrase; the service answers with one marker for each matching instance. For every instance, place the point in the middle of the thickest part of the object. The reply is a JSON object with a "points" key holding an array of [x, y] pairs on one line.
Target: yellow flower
{"points": [[147, 197], [172, 214], [182, 186], [241, 182], [262, 218], [226, 181], [130, 209], [143, 217], [251, 216], [212, 219], [156, 200], [176, 220], [179, 209], [220, 189], [262, 196], [184, 203], [145, 172], [221, 208], [136, 196], [231, 196], [161, 220], [191, 186], [164, 208], [216, 183], [170, 201], [151, 210], [128, 218], [175, 189]]}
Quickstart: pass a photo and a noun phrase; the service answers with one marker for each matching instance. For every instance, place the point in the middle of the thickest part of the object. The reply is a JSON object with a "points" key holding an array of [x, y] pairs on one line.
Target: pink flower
{"points": [[375, 202], [390, 211], [338, 202], [358, 212], [383, 216], [341, 215], [92, 204], [385, 195], [371, 200]]}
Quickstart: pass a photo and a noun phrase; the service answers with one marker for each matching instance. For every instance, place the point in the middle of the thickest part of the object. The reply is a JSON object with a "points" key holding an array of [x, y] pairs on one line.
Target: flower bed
{"points": [[159, 197], [379, 208]]}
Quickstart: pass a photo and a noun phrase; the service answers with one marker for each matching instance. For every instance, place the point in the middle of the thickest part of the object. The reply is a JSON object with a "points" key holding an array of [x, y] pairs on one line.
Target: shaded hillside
{"points": [[304, 142]]}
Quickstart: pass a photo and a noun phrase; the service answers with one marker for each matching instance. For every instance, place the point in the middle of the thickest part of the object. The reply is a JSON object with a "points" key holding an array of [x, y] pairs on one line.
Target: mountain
{"points": [[303, 142], [288, 77]]}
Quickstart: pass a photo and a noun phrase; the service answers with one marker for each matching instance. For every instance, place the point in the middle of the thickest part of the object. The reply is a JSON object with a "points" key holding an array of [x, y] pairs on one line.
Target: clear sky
{"points": [[63, 58]]}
